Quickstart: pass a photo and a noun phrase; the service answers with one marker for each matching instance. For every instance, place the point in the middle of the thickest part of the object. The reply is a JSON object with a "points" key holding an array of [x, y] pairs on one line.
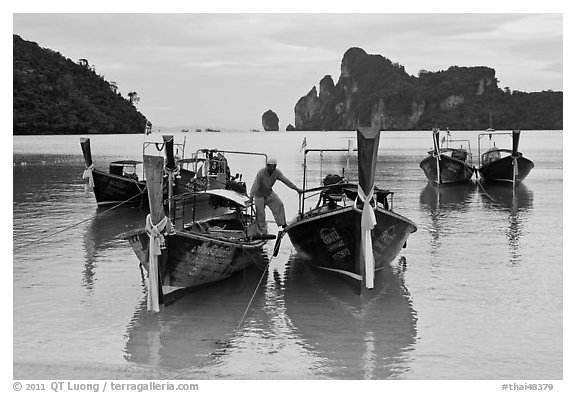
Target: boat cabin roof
{"points": [[457, 153], [125, 162]]}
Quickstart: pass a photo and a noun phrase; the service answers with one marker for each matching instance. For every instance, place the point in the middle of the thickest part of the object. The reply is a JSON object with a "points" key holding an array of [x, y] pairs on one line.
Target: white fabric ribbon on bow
{"points": [[154, 250], [88, 175], [515, 165], [173, 172], [367, 222]]}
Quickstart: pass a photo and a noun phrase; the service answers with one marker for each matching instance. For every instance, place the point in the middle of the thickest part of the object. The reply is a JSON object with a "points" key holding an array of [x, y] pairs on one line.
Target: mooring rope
{"points": [[486, 192], [255, 290], [39, 241], [251, 300]]}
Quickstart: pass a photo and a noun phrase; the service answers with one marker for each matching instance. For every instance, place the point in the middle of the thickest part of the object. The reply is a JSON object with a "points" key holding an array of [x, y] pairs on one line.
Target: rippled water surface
{"points": [[477, 293]]}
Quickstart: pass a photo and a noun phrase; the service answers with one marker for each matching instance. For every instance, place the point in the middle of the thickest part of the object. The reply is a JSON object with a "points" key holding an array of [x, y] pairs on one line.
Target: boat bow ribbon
{"points": [[156, 243], [88, 175], [367, 223]]}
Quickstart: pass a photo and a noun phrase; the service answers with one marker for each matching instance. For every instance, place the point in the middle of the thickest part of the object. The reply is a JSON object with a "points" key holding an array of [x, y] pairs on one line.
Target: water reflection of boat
{"points": [[194, 330], [515, 202], [361, 337], [505, 197], [454, 197], [102, 234], [446, 206]]}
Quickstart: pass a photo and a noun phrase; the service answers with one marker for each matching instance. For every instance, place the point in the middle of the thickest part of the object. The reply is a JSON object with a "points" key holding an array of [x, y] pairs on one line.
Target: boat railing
{"points": [[449, 144], [215, 164], [321, 152], [490, 135], [179, 147]]}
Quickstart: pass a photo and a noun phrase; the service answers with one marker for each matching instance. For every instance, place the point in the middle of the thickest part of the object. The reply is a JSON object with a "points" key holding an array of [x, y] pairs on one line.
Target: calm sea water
{"points": [[477, 293]]}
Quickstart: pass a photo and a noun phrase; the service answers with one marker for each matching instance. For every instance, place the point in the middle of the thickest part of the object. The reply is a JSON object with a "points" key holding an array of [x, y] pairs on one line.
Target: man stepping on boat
{"points": [[263, 195]]}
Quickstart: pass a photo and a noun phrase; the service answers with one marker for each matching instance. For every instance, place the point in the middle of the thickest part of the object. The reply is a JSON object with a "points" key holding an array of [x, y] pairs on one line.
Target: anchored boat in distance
{"points": [[503, 165], [447, 164]]}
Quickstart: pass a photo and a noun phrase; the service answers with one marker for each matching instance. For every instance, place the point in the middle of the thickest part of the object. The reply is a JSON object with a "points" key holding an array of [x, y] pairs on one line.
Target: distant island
{"points": [[374, 91], [55, 95]]}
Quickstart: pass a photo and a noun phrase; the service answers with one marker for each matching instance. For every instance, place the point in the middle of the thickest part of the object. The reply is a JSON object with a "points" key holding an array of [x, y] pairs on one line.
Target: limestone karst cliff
{"points": [[374, 91], [270, 121]]}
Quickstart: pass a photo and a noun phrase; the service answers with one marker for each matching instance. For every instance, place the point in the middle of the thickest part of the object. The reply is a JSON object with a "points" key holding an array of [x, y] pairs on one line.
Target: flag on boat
{"points": [[448, 131], [304, 144]]}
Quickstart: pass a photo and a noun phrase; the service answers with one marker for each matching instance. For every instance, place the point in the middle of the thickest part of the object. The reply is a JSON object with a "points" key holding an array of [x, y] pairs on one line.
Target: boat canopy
{"points": [[125, 162], [236, 198], [239, 199]]}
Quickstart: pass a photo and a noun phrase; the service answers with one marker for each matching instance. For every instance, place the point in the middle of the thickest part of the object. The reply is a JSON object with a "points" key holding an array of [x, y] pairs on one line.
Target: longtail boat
{"points": [[119, 185], [352, 230], [503, 165], [122, 184], [179, 255], [446, 164]]}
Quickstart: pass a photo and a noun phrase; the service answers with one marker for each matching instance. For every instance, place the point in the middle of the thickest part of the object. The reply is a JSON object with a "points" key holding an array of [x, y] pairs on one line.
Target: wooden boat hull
{"points": [[192, 259], [502, 170], [115, 189], [331, 238], [451, 170]]}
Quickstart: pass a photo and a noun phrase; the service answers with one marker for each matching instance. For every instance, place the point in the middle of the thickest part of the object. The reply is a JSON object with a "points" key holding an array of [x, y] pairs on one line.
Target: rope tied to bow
{"points": [[156, 244], [515, 166], [367, 223], [88, 175], [175, 172]]}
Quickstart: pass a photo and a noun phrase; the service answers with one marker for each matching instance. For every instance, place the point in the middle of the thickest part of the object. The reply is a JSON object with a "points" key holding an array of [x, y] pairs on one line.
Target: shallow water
{"points": [[477, 293]]}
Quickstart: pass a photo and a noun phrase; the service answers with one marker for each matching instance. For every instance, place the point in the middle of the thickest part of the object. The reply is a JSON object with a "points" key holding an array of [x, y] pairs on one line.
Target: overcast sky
{"points": [[226, 70]]}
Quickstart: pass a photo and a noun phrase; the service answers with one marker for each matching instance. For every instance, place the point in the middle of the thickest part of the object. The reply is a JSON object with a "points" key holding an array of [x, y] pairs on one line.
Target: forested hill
{"points": [[55, 95]]}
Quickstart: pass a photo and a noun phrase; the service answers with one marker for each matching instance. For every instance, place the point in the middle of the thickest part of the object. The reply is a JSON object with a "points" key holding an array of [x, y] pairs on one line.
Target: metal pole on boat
{"points": [[515, 143], [156, 222], [301, 195], [368, 140], [436, 138], [170, 169]]}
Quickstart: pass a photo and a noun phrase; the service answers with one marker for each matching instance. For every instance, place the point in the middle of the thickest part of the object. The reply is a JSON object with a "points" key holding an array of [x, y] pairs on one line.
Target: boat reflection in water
{"points": [[102, 233], [516, 202], [367, 336], [453, 197], [193, 331], [505, 197], [440, 203]]}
